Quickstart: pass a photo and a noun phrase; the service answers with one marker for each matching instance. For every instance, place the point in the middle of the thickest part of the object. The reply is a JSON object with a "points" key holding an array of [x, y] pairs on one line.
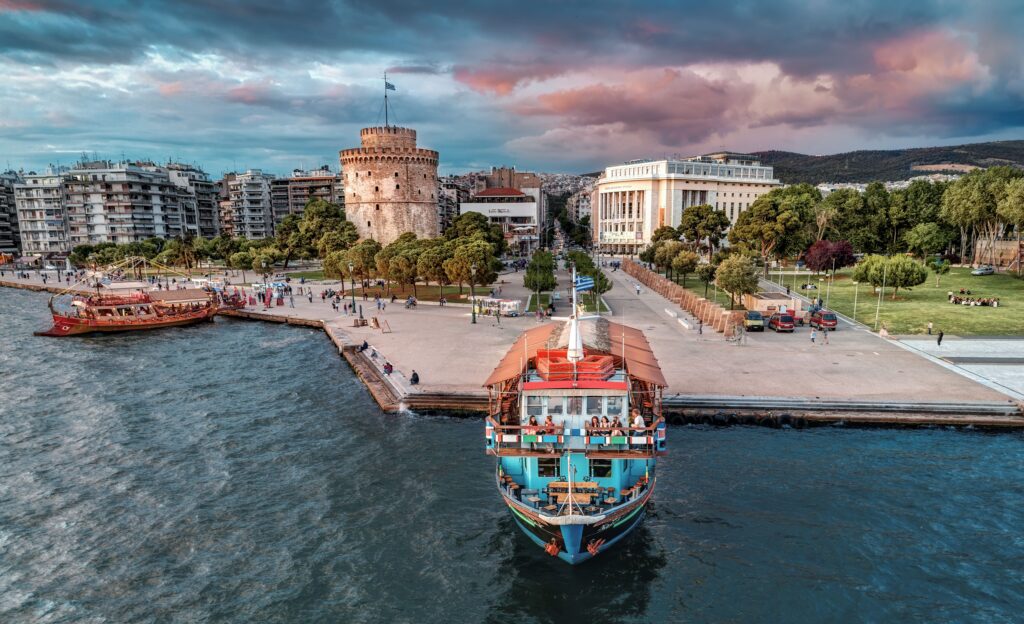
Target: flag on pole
{"points": [[389, 87], [584, 283]]}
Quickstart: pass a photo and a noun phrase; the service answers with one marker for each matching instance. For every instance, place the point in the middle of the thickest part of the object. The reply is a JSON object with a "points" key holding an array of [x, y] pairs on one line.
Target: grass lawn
{"points": [[309, 275], [561, 304], [717, 295], [913, 309]]}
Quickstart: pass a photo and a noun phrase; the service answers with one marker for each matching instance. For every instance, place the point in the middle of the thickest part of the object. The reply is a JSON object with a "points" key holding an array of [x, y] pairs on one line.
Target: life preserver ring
{"points": [[64, 327], [594, 546], [552, 548]]}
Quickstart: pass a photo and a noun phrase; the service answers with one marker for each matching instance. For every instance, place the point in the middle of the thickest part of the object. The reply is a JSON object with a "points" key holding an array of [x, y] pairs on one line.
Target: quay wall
{"points": [[392, 395]]}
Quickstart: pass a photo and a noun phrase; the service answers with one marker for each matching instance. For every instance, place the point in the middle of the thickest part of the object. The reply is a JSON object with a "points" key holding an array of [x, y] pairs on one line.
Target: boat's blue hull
{"points": [[574, 539]]}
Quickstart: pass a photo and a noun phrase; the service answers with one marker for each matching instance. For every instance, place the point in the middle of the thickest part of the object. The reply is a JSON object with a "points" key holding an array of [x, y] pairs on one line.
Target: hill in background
{"points": [[871, 165]]}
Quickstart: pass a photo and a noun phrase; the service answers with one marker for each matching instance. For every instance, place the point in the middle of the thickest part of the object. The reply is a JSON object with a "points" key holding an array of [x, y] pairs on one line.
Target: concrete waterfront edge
{"points": [[679, 409]]}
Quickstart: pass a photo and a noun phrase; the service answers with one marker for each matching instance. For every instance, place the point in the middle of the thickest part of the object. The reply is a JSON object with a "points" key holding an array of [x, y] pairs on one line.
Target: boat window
{"points": [[575, 405], [556, 406], [594, 405], [600, 468], [547, 466], [615, 406], [534, 406]]}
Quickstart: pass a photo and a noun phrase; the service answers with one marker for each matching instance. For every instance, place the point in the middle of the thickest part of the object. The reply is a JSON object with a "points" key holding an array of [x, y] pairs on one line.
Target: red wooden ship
{"points": [[127, 306]]}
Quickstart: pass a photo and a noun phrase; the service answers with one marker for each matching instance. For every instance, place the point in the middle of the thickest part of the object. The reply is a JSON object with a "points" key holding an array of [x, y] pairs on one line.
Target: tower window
{"points": [[397, 186], [378, 206], [376, 189], [369, 174], [396, 174], [367, 224]]}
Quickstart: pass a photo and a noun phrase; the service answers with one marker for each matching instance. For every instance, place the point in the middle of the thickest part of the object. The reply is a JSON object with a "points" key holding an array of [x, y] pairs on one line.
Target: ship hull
{"points": [[574, 539], [71, 326]]}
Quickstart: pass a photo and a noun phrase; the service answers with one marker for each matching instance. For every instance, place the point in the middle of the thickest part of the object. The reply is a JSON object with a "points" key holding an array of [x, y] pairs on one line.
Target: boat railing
{"points": [[529, 439]]}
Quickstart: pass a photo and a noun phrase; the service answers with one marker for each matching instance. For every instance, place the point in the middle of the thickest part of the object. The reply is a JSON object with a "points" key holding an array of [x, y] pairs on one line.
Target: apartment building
{"points": [[199, 201], [245, 205], [289, 195], [10, 239], [42, 221]]}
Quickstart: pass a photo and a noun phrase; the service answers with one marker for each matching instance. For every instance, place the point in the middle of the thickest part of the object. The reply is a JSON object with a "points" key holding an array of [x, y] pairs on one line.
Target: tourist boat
{"points": [[114, 306], [572, 488]]}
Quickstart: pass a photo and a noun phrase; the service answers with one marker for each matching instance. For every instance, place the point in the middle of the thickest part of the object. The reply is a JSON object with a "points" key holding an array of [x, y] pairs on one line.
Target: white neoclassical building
{"points": [[633, 199]]}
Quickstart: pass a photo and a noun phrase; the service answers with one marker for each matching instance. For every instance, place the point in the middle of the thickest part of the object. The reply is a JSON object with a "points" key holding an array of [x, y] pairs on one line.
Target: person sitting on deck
{"points": [[531, 428], [617, 427], [414, 378], [550, 429], [594, 424], [638, 420], [364, 346], [605, 423], [388, 368]]}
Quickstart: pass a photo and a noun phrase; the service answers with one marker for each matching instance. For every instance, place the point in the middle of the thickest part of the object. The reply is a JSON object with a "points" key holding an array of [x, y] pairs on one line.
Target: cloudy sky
{"points": [[555, 86]]}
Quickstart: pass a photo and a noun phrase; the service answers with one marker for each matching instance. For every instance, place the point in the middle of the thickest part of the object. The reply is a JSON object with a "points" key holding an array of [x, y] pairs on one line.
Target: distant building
{"points": [[515, 211], [41, 216], [289, 195], [578, 205], [522, 232], [391, 185], [245, 206], [10, 238], [199, 207], [635, 198], [124, 202], [451, 194]]}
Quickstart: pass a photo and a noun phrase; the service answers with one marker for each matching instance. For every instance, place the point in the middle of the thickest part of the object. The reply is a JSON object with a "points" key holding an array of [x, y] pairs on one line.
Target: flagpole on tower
{"points": [[385, 100]]}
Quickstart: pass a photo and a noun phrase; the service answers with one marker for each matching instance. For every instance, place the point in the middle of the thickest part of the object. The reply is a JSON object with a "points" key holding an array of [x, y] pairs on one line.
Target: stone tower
{"points": [[390, 185]]}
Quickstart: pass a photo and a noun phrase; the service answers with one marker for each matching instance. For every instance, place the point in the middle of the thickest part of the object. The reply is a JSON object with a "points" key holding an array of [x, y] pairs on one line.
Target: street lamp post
{"points": [[352, 277], [266, 300], [878, 308], [472, 291], [856, 288]]}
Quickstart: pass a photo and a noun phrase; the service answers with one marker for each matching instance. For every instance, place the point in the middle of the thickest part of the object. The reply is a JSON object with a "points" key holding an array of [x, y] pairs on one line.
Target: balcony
{"points": [[531, 440]]}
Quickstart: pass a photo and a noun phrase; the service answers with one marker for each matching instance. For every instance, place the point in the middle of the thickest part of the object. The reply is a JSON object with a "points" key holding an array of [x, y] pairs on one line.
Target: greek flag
{"points": [[584, 283], [388, 86]]}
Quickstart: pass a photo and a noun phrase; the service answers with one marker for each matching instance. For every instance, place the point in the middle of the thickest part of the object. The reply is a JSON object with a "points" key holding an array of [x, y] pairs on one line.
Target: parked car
{"points": [[50, 267], [985, 269], [781, 323], [824, 319], [753, 321]]}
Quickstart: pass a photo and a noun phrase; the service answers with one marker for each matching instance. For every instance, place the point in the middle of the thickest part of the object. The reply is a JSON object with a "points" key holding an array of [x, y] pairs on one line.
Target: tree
{"points": [[241, 260], [704, 223], [706, 274], [826, 255], [289, 239], [339, 238], [362, 256], [737, 275], [824, 213], [685, 262], [973, 200], [777, 222], [939, 267], [904, 272], [852, 220], [540, 272], [926, 239], [872, 269], [1011, 210], [470, 224], [667, 250], [476, 252], [430, 264], [960, 207], [664, 233], [336, 264]]}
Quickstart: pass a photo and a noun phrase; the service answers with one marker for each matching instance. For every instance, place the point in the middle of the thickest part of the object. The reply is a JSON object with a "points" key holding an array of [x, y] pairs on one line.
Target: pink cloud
{"points": [[502, 79], [20, 5], [249, 93], [171, 89], [678, 105]]}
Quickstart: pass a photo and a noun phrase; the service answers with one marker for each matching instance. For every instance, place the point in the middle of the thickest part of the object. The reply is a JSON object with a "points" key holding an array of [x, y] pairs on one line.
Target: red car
{"points": [[823, 319], [781, 322]]}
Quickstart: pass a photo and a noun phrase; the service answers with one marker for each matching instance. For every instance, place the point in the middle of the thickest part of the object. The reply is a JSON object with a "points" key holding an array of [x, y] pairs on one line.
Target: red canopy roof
{"points": [[502, 191]]}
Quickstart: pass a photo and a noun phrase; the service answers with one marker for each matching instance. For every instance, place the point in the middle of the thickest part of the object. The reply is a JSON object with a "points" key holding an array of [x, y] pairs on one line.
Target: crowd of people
{"points": [[965, 298]]}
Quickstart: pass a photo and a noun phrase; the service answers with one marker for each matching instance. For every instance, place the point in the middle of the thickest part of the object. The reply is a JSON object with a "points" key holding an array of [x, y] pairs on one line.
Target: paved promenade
{"points": [[451, 354]]}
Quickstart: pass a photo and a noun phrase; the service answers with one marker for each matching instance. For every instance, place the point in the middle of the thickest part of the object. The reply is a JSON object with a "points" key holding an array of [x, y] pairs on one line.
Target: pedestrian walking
{"points": [[814, 334], [700, 328], [824, 336], [929, 328], [291, 300], [941, 334]]}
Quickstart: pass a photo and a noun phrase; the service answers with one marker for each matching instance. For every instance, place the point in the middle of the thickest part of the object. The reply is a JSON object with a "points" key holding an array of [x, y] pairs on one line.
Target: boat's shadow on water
{"points": [[616, 585]]}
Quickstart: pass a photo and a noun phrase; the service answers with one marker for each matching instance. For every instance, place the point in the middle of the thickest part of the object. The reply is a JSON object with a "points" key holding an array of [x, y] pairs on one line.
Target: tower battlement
{"points": [[388, 136]]}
